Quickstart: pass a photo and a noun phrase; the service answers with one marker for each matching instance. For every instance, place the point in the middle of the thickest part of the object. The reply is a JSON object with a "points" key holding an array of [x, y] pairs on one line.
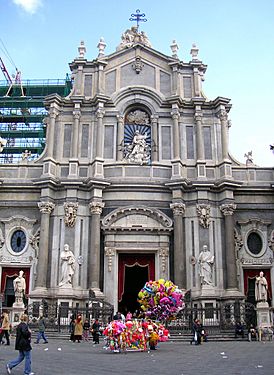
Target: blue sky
{"points": [[235, 39]]}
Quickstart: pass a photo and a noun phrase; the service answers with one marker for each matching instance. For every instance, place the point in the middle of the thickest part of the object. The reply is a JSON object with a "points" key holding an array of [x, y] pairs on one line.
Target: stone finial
{"points": [[194, 52], [174, 48], [82, 50], [101, 47]]}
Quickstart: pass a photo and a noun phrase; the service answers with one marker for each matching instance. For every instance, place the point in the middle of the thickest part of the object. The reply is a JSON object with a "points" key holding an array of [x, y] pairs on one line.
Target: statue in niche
{"points": [[206, 261], [138, 151], [261, 287], [19, 286], [67, 266]]}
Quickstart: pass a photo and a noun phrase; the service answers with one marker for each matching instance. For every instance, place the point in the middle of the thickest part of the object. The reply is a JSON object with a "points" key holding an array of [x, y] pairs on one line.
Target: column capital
{"points": [[120, 118], [46, 207], [178, 208], [175, 114], [76, 114], [222, 115], [100, 113], [53, 112], [198, 116], [96, 208], [154, 119], [228, 209]]}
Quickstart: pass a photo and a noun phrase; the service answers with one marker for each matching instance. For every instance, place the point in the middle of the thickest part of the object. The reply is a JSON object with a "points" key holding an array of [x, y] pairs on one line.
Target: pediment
{"points": [[132, 217]]}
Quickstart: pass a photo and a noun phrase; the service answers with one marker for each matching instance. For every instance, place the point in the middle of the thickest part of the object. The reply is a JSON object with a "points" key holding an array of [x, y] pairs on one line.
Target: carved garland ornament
{"points": [[164, 255], [109, 252], [203, 211], [70, 213]]}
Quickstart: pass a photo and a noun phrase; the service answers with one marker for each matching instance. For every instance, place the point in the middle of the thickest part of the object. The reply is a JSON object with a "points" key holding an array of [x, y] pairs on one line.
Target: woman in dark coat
{"points": [[22, 343], [95, 331]]}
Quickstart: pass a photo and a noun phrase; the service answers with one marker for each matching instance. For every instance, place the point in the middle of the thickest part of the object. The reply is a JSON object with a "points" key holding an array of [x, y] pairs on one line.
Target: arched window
{"points": [[137, 137]]}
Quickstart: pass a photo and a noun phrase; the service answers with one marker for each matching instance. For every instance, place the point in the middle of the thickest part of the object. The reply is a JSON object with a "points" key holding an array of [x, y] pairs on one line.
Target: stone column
{"points": [[199, 136], [53, 113], [230, 257], [75, 142], [154, 138], [224, 133], [42, 267], [120, 137], [99, 141], [96, 208], [178, 209], [176, 137]]}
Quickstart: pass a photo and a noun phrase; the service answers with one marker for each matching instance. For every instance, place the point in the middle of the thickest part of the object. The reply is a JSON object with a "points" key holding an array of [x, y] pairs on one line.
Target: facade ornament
{"points": [[194, 52], [203, 211], [174, 49], [137, 65], [238, 242], [76, 114], [82, 50], [3, 143], [109, 252], [178, 208], [70, 213], [133, 36], [249, 159], [138, 117], [228, 209], [34, 241], [198, 116], [100, 113], [175, 114], [46, 207], [101, 47], [222, 115], [164, 252], [271, 241], [139, 151], [96, 207]]}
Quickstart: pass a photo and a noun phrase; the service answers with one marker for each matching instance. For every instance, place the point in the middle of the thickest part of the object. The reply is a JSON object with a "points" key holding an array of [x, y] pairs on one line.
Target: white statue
{"points": [[19, 286], [67, 266], [139, 150], [206, 261], [3, 143], [261, 288]]}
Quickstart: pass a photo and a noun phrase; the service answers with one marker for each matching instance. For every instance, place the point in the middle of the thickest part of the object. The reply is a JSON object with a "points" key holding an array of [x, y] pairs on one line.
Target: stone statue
{"points": [[249, 158], [19, 286], [261, 287], [3, 143], [206, 261], [67, 266], [138, 151]]}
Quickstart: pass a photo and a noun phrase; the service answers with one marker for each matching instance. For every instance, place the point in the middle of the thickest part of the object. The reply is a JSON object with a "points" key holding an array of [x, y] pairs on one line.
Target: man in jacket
{"points": [[22, 343]]}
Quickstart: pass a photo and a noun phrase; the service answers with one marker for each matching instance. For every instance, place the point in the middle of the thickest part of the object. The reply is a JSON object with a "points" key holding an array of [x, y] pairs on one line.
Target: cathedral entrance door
{"points": [[134, 271]]}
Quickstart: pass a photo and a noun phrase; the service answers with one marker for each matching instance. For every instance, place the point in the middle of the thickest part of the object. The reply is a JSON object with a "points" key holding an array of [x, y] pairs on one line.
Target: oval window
{"points": [[18, 241], [254, 243]]}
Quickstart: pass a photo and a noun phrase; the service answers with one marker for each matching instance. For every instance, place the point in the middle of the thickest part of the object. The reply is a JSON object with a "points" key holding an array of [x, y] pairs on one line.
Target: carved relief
{"points": [[96, 207], [271, 241], [203, 211], [132, 36], [228, 209], [164, 253], [178, 208], [46, 207], [70, 213], [137, 65], [137, 117], [34, 241], [109, 252]]}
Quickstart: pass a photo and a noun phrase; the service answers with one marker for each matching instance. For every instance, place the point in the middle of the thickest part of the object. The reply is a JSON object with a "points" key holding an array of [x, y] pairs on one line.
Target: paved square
{"points": [[171, 358]]}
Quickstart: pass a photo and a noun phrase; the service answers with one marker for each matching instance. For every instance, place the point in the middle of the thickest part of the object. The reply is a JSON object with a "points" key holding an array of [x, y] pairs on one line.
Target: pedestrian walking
{"points": [[41, 330], [5, 328], [23, 344]]}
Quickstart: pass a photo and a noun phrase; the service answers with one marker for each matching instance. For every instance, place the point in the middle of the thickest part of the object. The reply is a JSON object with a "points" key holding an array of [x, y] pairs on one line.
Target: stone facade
{"points": [[137, 162]]}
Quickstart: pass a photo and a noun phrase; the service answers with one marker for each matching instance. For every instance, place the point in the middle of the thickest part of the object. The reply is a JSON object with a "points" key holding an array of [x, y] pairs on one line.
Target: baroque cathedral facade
{"points": [[136, 178]]}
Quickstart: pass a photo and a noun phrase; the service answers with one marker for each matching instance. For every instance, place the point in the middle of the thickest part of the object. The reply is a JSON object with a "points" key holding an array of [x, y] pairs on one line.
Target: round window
{"points": [[254, 243], [18, 241]]}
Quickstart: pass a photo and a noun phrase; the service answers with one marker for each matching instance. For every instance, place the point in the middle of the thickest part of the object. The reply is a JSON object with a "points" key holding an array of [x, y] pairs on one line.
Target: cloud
{"points": [[29, 6]]}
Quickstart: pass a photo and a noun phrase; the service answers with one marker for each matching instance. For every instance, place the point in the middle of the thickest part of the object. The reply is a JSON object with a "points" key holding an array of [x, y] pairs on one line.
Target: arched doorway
{"points": [[133, 272]]}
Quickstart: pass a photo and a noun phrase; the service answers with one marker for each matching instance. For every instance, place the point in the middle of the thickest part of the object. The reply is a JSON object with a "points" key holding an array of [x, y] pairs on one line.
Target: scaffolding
{"points": [[22, 127]]}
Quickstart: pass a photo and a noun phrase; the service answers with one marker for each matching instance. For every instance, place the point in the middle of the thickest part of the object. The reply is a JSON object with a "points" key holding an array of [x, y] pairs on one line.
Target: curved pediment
{"points": [[134, 218]]}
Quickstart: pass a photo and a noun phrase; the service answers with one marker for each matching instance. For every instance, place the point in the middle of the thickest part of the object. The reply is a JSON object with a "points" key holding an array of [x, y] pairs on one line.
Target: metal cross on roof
{"points": [[138, 17]]}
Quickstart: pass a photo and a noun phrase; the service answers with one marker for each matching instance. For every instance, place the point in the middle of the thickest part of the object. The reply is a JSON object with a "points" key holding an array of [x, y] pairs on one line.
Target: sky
{"points": [[235, 40]]}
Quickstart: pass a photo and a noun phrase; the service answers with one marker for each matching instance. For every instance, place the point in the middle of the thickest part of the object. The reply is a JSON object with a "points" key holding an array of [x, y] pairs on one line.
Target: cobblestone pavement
{"points": [[172, 358]]}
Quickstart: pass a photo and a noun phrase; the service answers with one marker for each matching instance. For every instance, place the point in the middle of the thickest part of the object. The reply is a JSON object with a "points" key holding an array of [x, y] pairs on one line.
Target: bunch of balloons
{"points": [[161, 300]]}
